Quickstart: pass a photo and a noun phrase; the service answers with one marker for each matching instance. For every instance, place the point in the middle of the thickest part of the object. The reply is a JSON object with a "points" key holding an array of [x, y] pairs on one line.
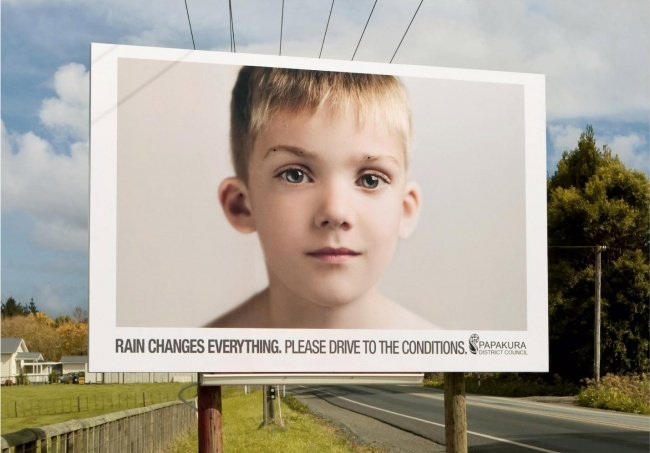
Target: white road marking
{"points": [[441, 425], [580, 418]]}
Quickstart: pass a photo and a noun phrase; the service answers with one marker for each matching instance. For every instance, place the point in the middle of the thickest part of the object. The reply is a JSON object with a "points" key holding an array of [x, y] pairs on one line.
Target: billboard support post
{"points": [[210, 419], [455, 413]]}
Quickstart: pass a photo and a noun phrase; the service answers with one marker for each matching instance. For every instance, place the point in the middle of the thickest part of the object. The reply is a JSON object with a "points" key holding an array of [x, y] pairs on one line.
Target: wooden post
{"points": [[210, 419], [455, 413]]}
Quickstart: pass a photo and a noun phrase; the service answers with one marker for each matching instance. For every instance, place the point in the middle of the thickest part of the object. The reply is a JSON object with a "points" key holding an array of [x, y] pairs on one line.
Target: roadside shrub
{"points": [[509, 384], [620, 393]]}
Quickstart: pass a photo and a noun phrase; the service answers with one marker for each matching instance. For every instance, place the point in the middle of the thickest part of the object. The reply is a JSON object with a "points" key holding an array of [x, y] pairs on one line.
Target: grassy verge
{"points": [[509, 384], [302, 431], [39, 405], [619, 393]]}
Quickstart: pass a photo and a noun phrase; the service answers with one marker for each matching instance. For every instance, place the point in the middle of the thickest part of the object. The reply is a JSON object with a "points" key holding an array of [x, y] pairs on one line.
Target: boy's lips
{"points": [[333, 255]]}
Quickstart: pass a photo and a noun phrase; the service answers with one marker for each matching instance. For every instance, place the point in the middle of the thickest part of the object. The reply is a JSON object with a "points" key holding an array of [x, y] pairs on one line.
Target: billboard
{"points": [[388, 218]]}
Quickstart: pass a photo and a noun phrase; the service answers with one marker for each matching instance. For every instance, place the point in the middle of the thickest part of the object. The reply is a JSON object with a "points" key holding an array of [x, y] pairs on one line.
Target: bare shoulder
{"points": [[253, 313], [403, 318]]}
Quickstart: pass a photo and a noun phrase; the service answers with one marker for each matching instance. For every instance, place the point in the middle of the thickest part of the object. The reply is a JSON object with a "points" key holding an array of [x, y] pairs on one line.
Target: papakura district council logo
{"points": [[493, 347]]}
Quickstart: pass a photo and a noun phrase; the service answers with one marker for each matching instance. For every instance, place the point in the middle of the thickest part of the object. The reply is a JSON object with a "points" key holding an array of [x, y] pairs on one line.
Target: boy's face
{"points": [[329, 200]]}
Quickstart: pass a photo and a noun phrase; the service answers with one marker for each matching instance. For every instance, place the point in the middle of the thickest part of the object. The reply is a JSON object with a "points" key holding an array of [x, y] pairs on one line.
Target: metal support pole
{"points": [[455, 413], [265, 406], [210, 419], [270, 400], [597, 279]]}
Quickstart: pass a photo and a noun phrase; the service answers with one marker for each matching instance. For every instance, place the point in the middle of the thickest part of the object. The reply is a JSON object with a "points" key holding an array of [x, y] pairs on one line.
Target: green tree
{"points": [[13, 308], [593, 199], [32, 307]]}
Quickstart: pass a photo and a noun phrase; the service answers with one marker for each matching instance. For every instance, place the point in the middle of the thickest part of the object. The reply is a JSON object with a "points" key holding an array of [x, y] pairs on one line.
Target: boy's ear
{"points": [[410, 210], [234, 199]]}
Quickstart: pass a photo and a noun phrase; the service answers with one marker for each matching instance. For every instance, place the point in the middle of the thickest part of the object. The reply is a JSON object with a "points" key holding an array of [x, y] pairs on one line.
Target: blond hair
{"points": [[260, 93]]}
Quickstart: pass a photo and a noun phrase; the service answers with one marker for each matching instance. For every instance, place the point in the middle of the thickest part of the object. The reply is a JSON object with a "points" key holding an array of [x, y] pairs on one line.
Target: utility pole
{"points": [[599, 249]]}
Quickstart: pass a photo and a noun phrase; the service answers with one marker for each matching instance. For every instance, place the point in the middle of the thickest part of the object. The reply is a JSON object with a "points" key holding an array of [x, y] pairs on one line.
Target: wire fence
{"points": [[83, 403]]}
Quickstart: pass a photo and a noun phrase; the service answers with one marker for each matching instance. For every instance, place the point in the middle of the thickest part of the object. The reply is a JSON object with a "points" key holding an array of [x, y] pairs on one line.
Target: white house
{"points": [[16, 357], [74, 363]]}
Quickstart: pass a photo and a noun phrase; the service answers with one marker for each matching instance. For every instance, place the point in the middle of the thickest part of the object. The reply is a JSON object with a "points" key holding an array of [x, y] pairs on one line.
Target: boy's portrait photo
{"points": [[321, 164], [235, 191]]}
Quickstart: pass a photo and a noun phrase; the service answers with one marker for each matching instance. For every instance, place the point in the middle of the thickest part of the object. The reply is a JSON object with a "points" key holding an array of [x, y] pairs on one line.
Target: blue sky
{"points": [[594, 54]]}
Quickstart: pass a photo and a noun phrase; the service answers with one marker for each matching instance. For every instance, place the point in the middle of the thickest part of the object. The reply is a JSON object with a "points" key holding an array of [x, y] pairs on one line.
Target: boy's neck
{"points": [[289, 310]]}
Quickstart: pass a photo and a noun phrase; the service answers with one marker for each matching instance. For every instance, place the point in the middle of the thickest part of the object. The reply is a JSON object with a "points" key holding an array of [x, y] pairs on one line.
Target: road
{"points": [[496, 423]]}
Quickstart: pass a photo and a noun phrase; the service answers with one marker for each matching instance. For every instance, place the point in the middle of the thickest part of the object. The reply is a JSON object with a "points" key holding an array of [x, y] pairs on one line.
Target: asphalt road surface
{"points": [[495, 423]]}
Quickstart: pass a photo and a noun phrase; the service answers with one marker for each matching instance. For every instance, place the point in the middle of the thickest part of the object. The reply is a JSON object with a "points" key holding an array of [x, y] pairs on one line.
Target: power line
{"points": [[407, 30], [281, 24], [326, 27], [190, 23], [572, 246], [364, 29], [233, 45]]}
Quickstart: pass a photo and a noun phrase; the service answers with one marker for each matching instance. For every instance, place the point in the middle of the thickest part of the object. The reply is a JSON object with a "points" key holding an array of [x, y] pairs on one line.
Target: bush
{"points": [[620, 393], [509, 384]]}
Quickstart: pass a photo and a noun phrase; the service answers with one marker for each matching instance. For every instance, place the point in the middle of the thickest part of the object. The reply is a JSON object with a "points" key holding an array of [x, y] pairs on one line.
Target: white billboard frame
{"points": [[237, 350]]}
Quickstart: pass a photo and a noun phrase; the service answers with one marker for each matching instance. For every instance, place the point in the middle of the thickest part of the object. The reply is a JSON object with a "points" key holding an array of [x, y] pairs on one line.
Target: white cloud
{"points": [[591, 50], [631, 148], [563, 138], [52, 300], [67, 113], [52, 186]]}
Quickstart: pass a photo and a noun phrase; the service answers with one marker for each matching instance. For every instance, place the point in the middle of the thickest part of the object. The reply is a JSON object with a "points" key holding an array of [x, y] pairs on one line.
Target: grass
{"points": [[28, 406], [619, 393], [302, 431], [509, 384]]}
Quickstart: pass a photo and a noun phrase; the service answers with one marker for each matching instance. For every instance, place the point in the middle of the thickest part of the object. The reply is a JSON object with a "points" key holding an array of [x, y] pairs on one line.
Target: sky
{"points": [[594, 54]]}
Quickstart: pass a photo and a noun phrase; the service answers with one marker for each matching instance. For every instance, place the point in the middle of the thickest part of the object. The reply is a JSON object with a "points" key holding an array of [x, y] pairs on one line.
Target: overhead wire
{"points": [[364, 29], [407, 30], [281, 25], [190, 24], [233, 45], [326, 27]]}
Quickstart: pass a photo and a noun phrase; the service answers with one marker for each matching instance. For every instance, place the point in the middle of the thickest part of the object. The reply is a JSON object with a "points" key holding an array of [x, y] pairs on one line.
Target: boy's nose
{"points": [[333, 212]]}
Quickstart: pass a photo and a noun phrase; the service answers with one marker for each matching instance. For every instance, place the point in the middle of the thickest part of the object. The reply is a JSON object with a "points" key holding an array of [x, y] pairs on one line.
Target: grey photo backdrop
{"points": [[179, 264]]}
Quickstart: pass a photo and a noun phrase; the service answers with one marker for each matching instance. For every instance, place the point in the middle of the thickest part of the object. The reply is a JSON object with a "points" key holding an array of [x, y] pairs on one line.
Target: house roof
{"points": [[34, 356], [11, 345], [74, 359]]}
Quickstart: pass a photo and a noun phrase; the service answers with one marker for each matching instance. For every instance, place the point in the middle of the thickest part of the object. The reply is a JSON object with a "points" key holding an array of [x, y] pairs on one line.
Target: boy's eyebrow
{"points": [[372, 158], [300, 152], [288, 148]]}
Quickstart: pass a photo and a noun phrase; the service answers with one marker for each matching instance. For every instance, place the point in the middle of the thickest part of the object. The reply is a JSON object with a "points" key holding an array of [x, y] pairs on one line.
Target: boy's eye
{"points": [[293, 175], [371, 180]]}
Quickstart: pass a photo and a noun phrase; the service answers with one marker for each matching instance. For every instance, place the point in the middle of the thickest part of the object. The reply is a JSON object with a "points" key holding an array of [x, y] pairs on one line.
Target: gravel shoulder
{"points": [[367, 430]]}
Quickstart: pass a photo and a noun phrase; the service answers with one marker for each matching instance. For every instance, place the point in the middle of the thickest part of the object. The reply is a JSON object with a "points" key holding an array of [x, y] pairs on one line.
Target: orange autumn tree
{"points": [[52, 339]]}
